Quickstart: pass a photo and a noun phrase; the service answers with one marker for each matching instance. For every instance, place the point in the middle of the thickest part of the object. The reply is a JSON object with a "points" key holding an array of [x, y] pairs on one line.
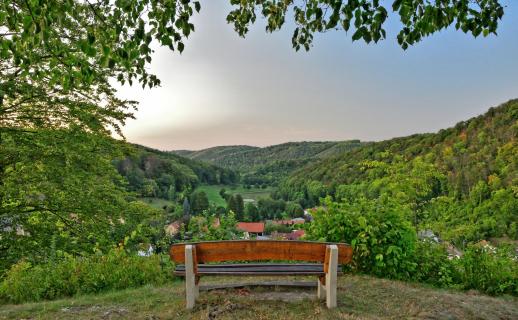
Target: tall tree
{"points": [[240, 207], [231, 204], [186, 208], [200, 202], [251, 212]]}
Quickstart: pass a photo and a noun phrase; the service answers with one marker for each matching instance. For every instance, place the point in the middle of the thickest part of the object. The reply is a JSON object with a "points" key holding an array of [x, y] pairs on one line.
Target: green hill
{"points": [[154, 173], [461, 181], [269, 164]]}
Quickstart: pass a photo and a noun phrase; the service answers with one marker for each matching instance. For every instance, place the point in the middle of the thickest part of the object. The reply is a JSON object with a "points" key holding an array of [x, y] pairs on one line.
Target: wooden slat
{"points": [[257, 266], [252, 273], [265, 269], [299, 284], [257, 250]]}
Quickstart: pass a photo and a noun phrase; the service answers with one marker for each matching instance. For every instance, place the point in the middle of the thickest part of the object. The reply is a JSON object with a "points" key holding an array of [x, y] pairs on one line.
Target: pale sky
{"points": [[226, 90]]}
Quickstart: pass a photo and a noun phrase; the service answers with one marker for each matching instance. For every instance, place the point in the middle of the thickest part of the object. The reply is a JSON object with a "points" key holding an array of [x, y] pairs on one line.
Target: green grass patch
{"points": [[156, 203], [212, 192]]}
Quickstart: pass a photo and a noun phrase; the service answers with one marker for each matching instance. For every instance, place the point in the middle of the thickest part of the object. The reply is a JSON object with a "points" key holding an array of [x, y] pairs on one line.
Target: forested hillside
{"points": [[270, 164], [461, 182], [153, 173]]}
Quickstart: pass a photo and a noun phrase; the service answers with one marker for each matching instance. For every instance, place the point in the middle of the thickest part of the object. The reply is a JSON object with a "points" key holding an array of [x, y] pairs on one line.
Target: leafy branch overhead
{"points": [[57, 57], [365, 18]]}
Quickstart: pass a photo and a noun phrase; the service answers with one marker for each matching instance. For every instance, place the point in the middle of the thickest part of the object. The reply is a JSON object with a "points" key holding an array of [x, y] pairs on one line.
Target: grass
{"points": [[359, 297], [212, 192], [156, 203]]}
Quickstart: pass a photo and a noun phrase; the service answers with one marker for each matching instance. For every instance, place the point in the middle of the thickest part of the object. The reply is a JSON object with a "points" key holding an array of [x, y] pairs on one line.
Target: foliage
{"points": [[235, 204], [385, 245], [271, 227], [153, 173], [434, 266], [493, 271], [294, 210], [418, 18], [487, 269], [57, 58], [206, 227], [200, 202], [59, 192], [460, 182], [70, 276], [270, 209], [252, 213], [382, 239], [262, 166]]}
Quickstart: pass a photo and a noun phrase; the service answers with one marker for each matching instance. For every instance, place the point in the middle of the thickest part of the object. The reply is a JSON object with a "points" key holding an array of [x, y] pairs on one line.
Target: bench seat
{"points": [[226, 258], [257, 269]]}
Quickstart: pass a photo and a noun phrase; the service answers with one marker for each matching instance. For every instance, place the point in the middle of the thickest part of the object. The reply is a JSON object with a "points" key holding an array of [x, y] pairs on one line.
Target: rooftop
{"points": [[253, 227]]}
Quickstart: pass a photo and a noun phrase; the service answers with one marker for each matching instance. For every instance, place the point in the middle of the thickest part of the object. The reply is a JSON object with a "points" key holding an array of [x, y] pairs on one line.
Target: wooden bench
{"points": [[194, 260]]}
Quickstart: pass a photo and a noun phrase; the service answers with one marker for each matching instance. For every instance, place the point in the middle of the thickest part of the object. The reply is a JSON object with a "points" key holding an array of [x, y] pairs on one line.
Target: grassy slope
{"points": [[359, 297], [212, 192], [156, 203]]}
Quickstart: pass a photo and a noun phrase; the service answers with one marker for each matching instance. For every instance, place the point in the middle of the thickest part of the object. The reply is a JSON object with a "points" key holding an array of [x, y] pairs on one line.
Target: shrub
{"points": [[433, 265], [382, 239], [490, 270], [76, 275]]}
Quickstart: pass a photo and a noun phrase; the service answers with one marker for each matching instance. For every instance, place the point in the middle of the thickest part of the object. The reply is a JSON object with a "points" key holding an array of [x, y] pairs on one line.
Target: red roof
{"points": [[254, 227]]}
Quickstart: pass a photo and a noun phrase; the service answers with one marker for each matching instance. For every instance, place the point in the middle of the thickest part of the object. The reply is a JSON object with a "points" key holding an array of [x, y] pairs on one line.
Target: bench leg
{"points": [[190, 285], [331, 277], [196, 287], [321, 289]]}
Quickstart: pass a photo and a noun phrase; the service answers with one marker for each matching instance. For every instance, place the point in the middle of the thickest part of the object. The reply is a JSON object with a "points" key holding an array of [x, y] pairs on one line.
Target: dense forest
{"points": [[269, 165], [461, 182], [153, 173]]}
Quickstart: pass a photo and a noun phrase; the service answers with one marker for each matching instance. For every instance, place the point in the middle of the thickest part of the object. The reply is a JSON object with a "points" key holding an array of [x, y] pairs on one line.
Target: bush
{"points": [[490, 270], [76, 275], [433, 265], [383, 240], [271, 227]]}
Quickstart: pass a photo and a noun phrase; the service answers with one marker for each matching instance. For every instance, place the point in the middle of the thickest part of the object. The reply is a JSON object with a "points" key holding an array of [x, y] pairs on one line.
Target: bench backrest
{"points": [[256, 250]]}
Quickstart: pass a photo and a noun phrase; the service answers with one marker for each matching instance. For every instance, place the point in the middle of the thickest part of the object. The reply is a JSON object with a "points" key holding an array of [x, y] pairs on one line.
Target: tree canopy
{"points": [[57, 56], [365, 18]]}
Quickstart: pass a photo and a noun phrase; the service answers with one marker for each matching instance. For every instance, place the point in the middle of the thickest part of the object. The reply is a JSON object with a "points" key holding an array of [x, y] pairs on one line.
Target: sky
{"points": [[226, 90]]}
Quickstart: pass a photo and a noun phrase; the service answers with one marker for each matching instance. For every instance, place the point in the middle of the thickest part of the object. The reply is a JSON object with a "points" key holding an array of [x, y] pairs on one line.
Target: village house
{"points": [[251, 228]]}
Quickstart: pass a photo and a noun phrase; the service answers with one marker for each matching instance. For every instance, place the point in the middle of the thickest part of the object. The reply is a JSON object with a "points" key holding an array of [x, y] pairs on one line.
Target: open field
{"points": [[359, 297], [212, 192], [157, 203]]}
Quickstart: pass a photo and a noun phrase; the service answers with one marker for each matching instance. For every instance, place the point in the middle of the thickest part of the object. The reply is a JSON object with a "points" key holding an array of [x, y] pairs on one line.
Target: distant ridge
{"points": [[249, 156], [269, 164]]}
